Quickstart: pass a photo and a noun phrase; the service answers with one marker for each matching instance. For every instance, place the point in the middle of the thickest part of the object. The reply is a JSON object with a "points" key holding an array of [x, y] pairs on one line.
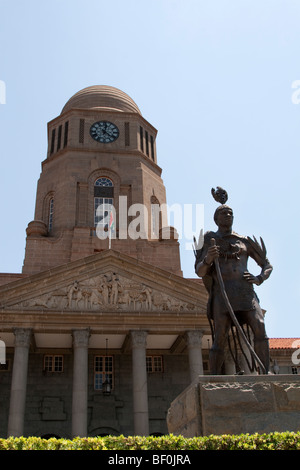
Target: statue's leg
{"points": [[222, 324], [255, 320]]}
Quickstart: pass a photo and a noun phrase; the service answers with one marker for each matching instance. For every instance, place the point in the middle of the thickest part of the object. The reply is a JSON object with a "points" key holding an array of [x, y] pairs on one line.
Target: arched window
{"points": [[50, 217], [156, 217], [103, 200]]}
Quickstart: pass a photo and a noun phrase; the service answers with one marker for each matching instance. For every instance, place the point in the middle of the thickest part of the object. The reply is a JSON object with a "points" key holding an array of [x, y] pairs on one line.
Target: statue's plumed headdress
{"points": [[219, 195]]}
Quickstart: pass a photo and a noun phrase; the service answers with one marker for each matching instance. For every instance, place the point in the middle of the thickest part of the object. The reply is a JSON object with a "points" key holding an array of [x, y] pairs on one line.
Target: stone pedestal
{"points": [[237, 405]]}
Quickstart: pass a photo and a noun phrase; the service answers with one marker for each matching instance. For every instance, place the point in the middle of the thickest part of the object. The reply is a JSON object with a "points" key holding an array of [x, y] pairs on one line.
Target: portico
{"points": [[174, 324], [138, 340]]}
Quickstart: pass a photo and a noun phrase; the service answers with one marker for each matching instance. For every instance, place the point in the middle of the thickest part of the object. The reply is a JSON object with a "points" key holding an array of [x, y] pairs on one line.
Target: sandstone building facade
{"points": [[84, 314]]}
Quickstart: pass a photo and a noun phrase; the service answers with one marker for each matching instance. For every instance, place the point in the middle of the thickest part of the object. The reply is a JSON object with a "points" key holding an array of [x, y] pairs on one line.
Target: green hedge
{"points": [[272, 441]]}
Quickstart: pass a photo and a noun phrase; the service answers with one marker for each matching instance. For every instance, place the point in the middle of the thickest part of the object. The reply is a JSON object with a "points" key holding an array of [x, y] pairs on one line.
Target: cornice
{"points": [[121, 152], [82, 112]]}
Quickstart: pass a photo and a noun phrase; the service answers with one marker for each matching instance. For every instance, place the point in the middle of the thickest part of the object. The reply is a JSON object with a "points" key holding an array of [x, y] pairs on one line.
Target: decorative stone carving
{"points": [[108, 291]]}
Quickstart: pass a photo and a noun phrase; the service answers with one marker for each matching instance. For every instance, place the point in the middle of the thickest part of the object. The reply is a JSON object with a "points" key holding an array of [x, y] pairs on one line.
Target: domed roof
{"points": [[101, 96]]}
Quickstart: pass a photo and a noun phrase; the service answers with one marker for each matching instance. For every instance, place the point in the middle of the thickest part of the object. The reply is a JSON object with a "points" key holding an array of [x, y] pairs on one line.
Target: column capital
{"points": [[22, 336], [194, 337], [138, 338], [81, 338]]}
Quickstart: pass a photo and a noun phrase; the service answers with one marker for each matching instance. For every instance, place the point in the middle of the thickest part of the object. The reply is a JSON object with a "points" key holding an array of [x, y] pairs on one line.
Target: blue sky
{"points": [[214, 77]]}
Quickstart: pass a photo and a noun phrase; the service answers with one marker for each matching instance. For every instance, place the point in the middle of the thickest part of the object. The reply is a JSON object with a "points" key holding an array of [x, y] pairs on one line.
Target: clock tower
{"points": [[101, 163]]}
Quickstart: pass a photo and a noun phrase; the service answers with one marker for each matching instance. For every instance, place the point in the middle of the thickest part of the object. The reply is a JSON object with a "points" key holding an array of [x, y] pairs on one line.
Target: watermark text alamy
{"points": [[138, 221]]}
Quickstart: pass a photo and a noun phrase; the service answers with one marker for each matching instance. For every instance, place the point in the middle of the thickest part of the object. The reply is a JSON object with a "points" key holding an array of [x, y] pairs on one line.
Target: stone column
{"points": [[19, 382], [140, 387], [80, 382], [194, 344]]}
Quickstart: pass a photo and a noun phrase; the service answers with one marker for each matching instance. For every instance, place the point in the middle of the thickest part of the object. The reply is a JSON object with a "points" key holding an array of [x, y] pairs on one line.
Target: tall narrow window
{"points": [[81, 131], [103, 201], [59, 138], [127, 135], [156, 217], [66, 133], [52, 141], [142, 138], [147, 143], [152, 148], [103, 371], [51, 209]]}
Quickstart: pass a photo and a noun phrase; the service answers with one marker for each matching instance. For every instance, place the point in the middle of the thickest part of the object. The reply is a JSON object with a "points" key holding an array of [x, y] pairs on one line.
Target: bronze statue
{"points": [[221, 261]]}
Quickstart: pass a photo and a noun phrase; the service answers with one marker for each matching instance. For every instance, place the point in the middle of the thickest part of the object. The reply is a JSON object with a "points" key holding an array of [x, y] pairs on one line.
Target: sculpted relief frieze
{"points": [[108, 292]]}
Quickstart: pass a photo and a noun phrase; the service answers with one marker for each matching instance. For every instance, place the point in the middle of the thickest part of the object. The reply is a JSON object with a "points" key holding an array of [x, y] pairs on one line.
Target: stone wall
{"points": [[237, 404], [49, 397]]}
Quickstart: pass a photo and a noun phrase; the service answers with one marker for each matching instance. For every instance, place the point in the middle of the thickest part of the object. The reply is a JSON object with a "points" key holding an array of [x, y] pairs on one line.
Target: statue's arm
{"points": [[202, 266], [205, 258], [266, 270], [263, 262]]}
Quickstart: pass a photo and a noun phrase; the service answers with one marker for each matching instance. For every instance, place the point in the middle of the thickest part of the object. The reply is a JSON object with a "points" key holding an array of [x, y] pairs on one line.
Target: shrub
{"points": [[272, 441]]}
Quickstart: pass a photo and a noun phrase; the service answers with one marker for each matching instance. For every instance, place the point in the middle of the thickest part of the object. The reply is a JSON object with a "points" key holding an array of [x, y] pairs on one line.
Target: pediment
{"points": [[107, 281]]}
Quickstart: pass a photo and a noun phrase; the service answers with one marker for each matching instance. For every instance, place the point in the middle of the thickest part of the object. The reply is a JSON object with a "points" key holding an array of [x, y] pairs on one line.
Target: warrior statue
{"points": [[221, 261]]}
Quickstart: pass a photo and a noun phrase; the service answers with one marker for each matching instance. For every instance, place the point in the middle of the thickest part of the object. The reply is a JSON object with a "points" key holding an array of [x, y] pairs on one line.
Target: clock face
{"points": [[104, 132]]}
